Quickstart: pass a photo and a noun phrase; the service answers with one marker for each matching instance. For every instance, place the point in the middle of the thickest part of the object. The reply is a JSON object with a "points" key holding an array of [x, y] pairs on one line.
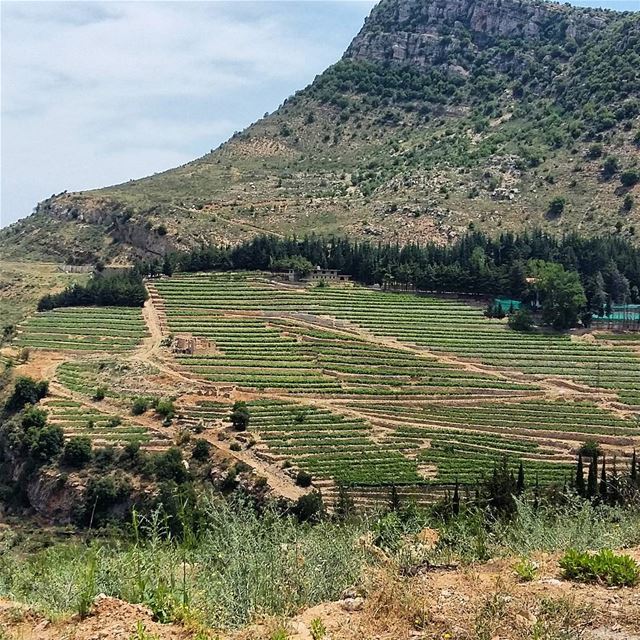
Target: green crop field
{"points": [[84, 329], [103, 429], [416, 391]]}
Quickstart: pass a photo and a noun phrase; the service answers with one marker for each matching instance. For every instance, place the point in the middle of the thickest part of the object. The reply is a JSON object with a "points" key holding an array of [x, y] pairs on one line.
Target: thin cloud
{"points": [[95, 93]]}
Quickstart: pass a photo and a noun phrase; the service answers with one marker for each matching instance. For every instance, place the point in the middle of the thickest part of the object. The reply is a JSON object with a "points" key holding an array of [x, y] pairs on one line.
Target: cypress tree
{"points": [[394, 500], [603, 489], [634, 469], [345, 506], [520, 483], [592, 478], [580, 486], [536, 494], [455, 504]]}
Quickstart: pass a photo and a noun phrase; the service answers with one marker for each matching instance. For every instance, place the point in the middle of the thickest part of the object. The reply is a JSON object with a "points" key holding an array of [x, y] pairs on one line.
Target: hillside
{"points": [[440, 115]]}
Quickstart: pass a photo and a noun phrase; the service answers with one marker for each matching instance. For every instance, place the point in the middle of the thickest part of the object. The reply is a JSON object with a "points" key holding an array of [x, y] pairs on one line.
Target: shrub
{"points": [[235, 446], [309, 507], [170, 466], [303, 479], [605, 566], [77, 451], [629, 178], [26, 391], [229, 482], [556, 207], [139, 406], [610, 167], [166, 408], [201, 450], [46, 443], [104, 457], [99, 394], [521, 320], [318, 630], [240, 416]]}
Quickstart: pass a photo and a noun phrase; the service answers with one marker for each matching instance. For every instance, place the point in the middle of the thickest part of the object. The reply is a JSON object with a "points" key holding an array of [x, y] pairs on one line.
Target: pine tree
{"points": [[603, 489], [520, 485], [580, 486], [592, 479]]}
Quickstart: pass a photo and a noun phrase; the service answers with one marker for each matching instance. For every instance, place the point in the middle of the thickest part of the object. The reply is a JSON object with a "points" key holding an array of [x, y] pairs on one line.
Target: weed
{"points": [[317, 628], [526, 570], [141, 633], [605, 566]]}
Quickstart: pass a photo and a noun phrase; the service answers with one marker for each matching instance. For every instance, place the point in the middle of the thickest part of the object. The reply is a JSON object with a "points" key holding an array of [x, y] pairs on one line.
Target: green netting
{"points": [[620, 313], [506, 303]]}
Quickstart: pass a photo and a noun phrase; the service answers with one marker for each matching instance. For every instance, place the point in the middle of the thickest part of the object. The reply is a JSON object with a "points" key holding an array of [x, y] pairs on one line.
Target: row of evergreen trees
{"points": [[606, 268], [605, 485], [124, 289]]}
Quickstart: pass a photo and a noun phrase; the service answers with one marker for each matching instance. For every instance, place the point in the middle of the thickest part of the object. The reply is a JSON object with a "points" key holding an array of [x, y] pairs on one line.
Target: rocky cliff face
{"points": [[450, 33]]}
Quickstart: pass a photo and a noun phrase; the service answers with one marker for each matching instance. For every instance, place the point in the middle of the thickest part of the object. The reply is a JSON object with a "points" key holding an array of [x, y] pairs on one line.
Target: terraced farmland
{"points": [[112, 329], [415, 391], [275, 351], [103, 429]]}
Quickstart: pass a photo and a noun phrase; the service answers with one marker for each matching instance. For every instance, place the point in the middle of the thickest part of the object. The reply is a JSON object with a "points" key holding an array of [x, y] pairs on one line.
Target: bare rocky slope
{"points": [[442, 114]]}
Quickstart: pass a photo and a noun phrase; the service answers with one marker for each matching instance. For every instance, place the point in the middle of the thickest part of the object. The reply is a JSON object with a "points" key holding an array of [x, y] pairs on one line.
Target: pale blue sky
{"points": [[95, 93]]}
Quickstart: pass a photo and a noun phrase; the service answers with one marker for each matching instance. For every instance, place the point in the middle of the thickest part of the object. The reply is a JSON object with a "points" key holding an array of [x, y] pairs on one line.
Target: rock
{"points": [[352, 604], [349, 593]]}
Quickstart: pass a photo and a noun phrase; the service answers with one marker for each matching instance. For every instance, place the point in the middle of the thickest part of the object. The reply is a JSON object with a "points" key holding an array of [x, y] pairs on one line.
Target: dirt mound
{"points": [[110, 619]]}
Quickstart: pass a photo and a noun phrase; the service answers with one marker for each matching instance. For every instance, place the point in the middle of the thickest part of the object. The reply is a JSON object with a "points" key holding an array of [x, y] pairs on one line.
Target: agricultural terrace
{"points": [[393, 389], [297, 356], [112, 329], [212, 303], [103, 429]]}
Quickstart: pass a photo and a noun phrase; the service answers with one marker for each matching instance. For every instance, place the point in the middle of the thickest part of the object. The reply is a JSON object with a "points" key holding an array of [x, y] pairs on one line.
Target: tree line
{"points": [[124, 289], [571, 277]]}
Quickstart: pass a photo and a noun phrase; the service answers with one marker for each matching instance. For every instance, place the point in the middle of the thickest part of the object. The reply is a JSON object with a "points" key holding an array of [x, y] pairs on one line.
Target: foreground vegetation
{"points": [[242, 564]]}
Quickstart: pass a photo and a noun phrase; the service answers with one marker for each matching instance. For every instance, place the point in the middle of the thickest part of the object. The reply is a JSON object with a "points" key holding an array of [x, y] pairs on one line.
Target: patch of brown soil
{"points": [[110, 619]]}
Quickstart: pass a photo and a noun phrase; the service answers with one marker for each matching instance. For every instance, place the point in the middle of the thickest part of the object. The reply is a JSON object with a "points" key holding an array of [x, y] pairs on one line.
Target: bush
{"points": [[521, 320], [240, 416], [170, 466], [139, 406], [526, 570], [309, 507], [201, 450], [605, 567], [166, 408], [303, 479], [77, 451], [629, 178], [556, 207], [46, 443], [610, 167], [26, 391], [100, 393]]}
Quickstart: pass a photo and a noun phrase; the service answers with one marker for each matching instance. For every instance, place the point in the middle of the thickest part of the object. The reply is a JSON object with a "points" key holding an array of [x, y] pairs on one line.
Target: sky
{"points": [[95, 93]]}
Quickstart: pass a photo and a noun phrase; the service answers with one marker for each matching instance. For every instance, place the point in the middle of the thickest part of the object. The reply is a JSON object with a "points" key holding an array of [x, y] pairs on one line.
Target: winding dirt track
{"points": [[151, 353]]}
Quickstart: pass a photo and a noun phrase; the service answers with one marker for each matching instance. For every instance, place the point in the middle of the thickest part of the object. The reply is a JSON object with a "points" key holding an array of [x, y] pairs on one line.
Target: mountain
{"points": [[441, 115]]}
